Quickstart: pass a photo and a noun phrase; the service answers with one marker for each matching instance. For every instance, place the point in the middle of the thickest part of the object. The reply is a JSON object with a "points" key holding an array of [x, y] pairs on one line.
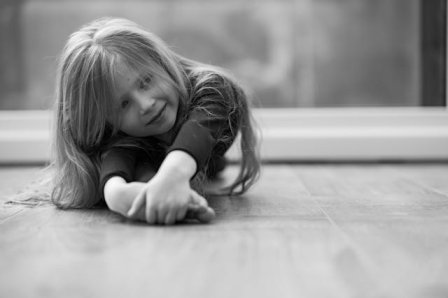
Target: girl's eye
{"points": [[124, 104], [145, 82]]}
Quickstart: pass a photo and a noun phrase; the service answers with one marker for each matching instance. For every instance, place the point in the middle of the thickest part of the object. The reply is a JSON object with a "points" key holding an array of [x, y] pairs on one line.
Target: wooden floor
{"points": [[375, 230]]}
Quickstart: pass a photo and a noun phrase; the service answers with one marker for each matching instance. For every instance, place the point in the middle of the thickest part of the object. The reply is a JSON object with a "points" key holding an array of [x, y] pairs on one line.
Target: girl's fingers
{"points": [[201, 213], [198, 199], [181, 213], [138, 203], [199, 209], [162, 213], [170, 217], [206, 215], [151, 216]]}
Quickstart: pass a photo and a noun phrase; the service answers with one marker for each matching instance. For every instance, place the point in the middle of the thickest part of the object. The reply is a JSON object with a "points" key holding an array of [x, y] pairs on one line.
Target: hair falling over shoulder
{"points": [[235, 97], [249, 146], [250, 160]]}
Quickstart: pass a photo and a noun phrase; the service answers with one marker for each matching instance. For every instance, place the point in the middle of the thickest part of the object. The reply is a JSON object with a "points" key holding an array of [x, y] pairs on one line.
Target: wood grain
{"points": [[303, 231]]}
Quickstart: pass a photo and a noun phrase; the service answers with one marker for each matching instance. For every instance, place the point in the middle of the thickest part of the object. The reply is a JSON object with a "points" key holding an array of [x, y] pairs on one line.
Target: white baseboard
{"points": [[353, 134]]}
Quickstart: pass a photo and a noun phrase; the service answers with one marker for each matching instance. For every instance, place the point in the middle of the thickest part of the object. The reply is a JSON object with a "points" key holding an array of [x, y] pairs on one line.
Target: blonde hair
{"points": [[85, 86]]}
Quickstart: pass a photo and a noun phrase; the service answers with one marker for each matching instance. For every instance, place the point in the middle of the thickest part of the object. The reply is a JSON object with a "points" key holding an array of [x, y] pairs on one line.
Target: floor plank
{"points": [[303, 231], [392, 219]]}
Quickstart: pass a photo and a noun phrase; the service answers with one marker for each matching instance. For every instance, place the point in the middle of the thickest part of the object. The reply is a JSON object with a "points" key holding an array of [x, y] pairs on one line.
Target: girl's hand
{"points": [[198, 210], [164, 201], [168, 196], [167, 201], [120, 196]]}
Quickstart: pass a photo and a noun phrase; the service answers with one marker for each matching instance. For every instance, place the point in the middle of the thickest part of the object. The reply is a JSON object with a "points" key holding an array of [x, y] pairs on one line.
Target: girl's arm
{"points": [[120, 194], [178, 163], [168, 195], [214, 118]]}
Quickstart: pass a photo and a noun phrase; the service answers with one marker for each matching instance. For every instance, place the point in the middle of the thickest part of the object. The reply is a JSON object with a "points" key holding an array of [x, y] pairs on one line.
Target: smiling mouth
{"points": [[157, 116]]}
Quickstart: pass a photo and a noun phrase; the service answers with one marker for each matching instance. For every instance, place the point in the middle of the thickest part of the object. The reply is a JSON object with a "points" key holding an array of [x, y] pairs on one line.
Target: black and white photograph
{"points": [[216, 149]]}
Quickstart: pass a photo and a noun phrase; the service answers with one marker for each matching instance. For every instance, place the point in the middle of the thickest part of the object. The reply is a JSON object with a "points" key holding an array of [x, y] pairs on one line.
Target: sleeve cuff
{"points": [[195, 140]]}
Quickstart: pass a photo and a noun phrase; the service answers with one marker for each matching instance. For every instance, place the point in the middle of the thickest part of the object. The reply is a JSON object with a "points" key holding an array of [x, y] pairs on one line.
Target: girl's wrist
{"points": [[178, 164]]}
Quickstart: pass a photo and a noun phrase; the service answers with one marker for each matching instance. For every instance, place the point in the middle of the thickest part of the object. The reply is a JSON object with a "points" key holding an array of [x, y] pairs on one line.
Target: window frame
{"points": [[433, 27], [300, 134]]}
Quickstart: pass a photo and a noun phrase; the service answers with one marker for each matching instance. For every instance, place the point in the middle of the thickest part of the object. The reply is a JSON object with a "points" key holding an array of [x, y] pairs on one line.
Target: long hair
{"points": [[83, 111], [234, 99]]}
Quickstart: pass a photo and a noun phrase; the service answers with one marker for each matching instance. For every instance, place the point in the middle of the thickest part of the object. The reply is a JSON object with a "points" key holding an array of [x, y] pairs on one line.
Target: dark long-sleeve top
{"points": [[209, 129]]}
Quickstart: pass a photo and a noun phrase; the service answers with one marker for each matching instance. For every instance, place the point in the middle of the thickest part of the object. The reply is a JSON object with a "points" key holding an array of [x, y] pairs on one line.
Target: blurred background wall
{"points": [[291, 53]]}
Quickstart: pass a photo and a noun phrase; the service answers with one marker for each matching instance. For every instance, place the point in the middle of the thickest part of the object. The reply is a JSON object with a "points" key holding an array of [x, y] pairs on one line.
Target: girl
{"points": [[141, 128]]}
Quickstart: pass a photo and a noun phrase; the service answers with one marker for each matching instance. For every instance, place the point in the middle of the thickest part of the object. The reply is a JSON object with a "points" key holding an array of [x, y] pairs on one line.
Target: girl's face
{"points": [[147, 104]]}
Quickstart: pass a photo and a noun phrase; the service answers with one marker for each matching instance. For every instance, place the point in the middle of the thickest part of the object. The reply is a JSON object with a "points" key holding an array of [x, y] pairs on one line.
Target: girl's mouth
{"points": [[157, 116]]}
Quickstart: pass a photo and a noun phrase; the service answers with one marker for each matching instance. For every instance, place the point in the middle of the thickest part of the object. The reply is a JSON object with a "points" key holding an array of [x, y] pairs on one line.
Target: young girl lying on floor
{"points": [[142, 128]]}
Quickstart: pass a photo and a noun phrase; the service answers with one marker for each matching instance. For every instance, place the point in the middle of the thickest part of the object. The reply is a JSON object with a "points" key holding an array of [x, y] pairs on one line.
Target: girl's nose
{"points": [[145, 104]]}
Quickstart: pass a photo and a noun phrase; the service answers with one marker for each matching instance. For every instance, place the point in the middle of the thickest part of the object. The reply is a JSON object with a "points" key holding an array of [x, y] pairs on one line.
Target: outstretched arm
{"points": [[168, 195], [165, 199], [120, 194]]}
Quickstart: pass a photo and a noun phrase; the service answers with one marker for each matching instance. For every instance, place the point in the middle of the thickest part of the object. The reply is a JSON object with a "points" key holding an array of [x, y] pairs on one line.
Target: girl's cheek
{"points": [[121, 123]]}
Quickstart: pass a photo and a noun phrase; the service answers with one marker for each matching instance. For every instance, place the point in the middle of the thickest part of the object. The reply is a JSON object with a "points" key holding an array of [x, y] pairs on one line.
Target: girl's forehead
{"points": [[124, 78], [125, 71]]}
